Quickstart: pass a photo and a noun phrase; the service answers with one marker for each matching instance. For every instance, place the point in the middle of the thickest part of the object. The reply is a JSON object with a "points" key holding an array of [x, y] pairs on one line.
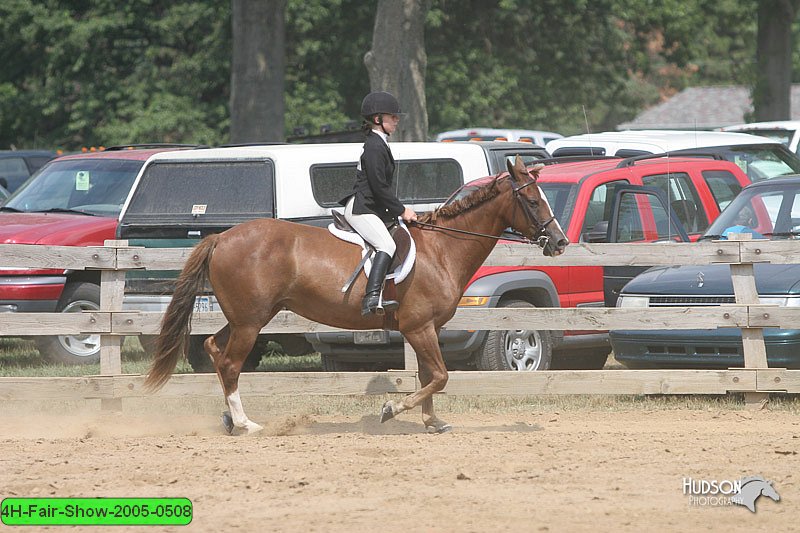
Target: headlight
{"points": [[633, 301]]}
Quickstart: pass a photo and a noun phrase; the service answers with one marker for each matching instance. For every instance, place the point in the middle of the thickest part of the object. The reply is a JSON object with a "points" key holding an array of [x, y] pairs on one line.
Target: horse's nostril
{"points": [[562, 243]]}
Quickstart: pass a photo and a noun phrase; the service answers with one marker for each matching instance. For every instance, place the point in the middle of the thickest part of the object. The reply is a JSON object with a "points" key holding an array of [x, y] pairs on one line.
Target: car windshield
{"points": [[771, 212], [557, 195], [761, 162], [90, 186]]}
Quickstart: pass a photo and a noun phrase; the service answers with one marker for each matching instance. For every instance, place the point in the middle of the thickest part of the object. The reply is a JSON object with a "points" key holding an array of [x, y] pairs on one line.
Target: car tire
{"points": [[200, 361], [74, 349], [588, 359], [518, 350]]}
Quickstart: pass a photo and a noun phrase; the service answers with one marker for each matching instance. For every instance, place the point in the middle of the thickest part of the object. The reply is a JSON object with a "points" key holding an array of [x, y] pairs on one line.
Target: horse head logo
{"points": [[752, 488]]}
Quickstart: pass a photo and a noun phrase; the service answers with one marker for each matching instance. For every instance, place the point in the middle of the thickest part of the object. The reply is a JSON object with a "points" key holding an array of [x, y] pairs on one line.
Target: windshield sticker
{"points": [[82, 180], [741, 162], [199, 209]]}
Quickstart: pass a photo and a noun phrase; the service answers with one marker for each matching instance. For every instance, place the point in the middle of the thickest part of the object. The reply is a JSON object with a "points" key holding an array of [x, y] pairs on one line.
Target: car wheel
{"points": [[200, 361], [74, 349], [520, 350], [589, 359]]}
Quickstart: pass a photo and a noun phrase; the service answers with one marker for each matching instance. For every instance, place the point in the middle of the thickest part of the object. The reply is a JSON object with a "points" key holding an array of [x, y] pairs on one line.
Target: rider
{"points": [[373, 205]]}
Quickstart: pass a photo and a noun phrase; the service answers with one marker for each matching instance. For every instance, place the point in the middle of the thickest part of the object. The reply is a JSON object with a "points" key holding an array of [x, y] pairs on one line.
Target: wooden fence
{"points": [[112, 323]]}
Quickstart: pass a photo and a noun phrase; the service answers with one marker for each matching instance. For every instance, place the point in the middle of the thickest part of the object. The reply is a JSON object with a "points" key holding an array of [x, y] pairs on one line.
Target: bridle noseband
{"points": [[527, 209]]}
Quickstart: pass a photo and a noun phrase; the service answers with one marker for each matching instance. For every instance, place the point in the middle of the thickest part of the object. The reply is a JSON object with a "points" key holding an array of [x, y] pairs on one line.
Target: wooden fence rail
{"points": [[112, 323]]}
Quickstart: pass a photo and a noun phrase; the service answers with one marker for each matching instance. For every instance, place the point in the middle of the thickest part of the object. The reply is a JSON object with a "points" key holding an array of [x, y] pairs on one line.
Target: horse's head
{"points": [[532, 215]]}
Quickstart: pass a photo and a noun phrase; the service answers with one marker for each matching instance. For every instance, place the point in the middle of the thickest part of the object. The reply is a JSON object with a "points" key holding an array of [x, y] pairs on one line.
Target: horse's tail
{"points": [[175, 327]]}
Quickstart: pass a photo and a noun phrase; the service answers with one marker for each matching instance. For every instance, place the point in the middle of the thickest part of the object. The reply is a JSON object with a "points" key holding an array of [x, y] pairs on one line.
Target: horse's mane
{"points": [[475, 198]]}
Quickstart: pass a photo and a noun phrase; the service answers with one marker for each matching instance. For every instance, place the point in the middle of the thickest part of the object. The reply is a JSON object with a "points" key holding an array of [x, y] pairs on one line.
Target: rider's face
{"points": [[390, 122]]}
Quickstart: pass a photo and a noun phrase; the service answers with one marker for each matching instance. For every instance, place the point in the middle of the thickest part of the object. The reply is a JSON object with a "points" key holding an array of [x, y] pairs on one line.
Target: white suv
{"points": [[783, 131], [759, 157]]}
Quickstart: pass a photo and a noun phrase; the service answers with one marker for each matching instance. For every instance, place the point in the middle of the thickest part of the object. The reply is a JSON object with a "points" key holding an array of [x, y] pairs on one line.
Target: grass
{"points": [[20, 358]]}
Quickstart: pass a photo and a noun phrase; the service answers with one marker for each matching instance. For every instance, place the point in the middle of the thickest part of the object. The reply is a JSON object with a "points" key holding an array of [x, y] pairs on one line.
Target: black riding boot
{"points": [[380, 264]]}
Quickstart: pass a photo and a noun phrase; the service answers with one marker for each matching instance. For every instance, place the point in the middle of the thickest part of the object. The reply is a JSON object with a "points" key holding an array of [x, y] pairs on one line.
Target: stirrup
{"points": [[385, 306]]}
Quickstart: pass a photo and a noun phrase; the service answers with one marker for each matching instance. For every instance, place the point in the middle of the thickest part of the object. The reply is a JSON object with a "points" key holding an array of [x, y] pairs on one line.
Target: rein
{"points": [[542, 238]]}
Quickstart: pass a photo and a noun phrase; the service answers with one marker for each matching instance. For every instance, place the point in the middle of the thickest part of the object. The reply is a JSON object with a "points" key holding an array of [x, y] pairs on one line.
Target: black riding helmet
{"points": [[379, 102]]}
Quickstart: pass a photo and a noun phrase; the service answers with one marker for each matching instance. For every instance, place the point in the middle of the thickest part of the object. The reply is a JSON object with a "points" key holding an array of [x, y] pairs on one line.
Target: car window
{"points": [[96, 186], [763, 163], [528, 159], [13, 172], [203, 193], [418, 181], [558, 196], [631, 227], [683, 199], [37, 162], [599, 207], [723, 185]]}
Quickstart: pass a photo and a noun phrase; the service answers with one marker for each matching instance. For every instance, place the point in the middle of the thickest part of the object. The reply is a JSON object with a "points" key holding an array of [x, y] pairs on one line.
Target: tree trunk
{"points": [[397, 62], [258, 71], [772, 92]]}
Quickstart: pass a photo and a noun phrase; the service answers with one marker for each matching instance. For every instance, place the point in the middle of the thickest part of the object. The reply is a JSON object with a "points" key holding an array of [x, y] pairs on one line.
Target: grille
{"points": [[666, 301]]}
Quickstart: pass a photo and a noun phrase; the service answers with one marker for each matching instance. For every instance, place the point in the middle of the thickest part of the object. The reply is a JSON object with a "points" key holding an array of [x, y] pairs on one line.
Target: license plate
{"points": [[202, 304], [371, 337]]}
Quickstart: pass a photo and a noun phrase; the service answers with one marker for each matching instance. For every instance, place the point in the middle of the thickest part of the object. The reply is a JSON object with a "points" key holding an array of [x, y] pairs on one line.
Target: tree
{"points": [[772, 91], [258, 70], [397, 61]]}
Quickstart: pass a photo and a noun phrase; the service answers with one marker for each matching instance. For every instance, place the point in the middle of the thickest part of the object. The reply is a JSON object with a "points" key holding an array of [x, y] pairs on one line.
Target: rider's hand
{"points": [[409, 215]]}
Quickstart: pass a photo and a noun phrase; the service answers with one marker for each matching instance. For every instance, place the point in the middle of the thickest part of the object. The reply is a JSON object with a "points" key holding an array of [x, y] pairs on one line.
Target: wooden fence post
{"points": [[755, 352], [112, 293]]}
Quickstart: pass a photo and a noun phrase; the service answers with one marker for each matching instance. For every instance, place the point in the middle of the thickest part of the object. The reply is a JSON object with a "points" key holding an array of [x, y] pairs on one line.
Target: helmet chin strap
{"points": [[379, 121]]}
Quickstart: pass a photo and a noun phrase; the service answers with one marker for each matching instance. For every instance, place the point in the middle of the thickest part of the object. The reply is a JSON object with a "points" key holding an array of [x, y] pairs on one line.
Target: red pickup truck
{"points": [[73, 201], [582, 194]]}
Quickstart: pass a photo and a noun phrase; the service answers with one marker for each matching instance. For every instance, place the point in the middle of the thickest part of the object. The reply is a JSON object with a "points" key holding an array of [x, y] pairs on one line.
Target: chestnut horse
{"points": [[260, 267]]}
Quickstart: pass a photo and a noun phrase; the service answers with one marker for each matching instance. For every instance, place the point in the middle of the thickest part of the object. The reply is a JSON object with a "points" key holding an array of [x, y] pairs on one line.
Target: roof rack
{"points": [[245, 145], [154, 145], [573, 159], [689, 152]]}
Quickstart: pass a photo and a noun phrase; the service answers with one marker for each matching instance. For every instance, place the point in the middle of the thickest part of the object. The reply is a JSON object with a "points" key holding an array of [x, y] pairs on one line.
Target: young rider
{"points": [[373, 203]]}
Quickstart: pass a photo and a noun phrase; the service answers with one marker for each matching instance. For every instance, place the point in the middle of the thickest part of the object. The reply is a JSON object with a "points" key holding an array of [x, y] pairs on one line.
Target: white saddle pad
{"points": [[400, 273]]}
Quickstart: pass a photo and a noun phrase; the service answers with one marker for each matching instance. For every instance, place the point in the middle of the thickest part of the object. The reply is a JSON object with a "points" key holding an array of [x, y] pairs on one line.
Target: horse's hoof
{"points": [[438, 430], [227, 421], [386, 412]]}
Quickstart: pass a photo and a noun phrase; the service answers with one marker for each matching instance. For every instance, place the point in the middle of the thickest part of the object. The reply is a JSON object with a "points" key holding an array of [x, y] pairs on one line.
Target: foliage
{"points": [[96, 72]]}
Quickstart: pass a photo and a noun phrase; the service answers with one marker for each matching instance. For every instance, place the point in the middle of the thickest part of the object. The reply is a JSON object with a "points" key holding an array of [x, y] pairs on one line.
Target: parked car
{"points": [[181, 197], [540, 138], [759, 157], [786, 132], [581, 195], [16, 166], [768, 209], [73, 201]]}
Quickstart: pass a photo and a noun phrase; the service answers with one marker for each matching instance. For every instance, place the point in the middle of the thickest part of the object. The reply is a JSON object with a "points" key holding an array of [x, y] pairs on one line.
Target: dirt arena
{"points": [[558, 465]]}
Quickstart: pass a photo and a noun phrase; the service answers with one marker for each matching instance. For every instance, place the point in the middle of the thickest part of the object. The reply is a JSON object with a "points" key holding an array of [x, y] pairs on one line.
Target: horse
{"points": [[260, 267]]}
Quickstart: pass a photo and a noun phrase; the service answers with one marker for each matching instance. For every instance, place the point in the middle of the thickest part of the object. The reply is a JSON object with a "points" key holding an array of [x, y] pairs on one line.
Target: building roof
{"points": [[703, 108]]}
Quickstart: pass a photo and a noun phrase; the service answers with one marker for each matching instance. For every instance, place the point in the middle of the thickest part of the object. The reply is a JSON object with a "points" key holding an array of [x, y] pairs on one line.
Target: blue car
{"points": [[767, 209]]}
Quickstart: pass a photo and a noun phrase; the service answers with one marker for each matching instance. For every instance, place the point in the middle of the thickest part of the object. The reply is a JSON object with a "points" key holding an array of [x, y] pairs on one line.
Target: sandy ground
{"points": [[526, 469]]}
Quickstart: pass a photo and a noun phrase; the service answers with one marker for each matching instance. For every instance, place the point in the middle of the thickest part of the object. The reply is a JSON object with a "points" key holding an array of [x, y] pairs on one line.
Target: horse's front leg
{"points": [[228, 360], [432, 377]]}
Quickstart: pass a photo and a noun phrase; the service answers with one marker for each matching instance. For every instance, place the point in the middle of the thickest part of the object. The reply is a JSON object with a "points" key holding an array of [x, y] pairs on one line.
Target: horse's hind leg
{"points": [[229, 348], [432, 377]]}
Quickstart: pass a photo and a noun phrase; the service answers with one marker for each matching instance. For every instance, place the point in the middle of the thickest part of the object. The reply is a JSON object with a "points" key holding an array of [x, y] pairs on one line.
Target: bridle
{"points": [[514, 236]]}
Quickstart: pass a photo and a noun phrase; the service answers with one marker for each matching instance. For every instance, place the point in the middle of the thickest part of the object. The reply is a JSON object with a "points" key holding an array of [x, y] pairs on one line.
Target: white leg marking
{"points": [[240, 419]]}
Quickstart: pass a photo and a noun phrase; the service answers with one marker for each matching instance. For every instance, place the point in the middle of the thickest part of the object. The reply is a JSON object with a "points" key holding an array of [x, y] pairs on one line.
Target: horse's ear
{"points": [[534, 170], [517, 170]]}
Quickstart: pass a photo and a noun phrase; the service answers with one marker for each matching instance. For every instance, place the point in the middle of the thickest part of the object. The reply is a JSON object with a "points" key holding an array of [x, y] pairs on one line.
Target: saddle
{"points": [[404, 255]]}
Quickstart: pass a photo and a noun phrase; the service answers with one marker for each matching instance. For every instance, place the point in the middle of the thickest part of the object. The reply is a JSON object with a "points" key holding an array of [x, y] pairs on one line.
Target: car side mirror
{"points": [[599, 233]]}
